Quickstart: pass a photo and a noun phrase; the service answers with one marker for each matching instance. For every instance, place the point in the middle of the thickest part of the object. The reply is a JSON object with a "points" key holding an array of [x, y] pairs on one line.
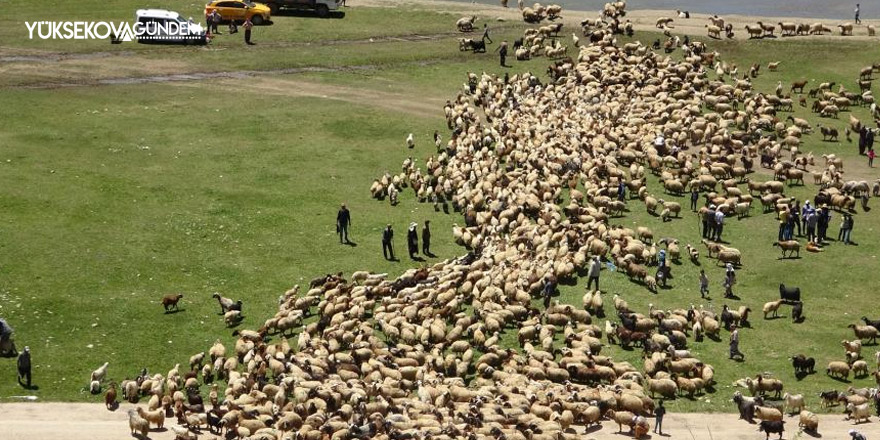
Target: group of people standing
{"points": [[713, 223], [343, 223], [212, 24], [813, 223]]}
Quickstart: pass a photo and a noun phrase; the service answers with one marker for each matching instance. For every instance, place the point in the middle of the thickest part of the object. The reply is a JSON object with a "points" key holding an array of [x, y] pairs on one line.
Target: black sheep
{"points": [[797, 312], [803, 364], [774, 427], [478, 46], [746, 407], [789, 293], [872, 323], [830, 397]]}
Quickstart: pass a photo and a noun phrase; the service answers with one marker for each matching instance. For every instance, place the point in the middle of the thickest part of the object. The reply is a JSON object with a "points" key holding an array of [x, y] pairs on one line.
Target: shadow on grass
{"points": [[813, 434], [839, 379], [175, 311]]}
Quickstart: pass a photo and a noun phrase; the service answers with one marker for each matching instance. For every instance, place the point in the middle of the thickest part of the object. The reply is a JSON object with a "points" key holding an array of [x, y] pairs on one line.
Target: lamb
{"points": [[95, 387], [846, 28], [865, 332], [859, 412], [170, 301], [838, 369], [772, 306], [225, 303], [854, 346], [232, 318], [157, 416], [808, 421], [98, 375], [794, 402], [797, 312], [137, 424]]}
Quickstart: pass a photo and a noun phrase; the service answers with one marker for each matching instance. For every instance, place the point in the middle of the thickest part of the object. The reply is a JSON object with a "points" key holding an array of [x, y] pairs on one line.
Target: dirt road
{"points": [[86, 421]]}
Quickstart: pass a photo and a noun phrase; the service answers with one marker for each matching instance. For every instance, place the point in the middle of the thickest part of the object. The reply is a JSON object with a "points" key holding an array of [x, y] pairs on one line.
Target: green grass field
{"points": [[111, 196]]}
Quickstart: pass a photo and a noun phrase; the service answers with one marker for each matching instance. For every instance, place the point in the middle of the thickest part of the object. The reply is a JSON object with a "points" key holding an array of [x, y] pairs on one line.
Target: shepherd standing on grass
{"points": [[248, 24], [502, 51], [343, 221]]}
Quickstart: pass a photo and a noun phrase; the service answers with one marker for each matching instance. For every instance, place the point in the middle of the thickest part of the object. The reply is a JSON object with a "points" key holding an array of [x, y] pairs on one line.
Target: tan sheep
{"points": [[137, 424], [808, 421], [838, 369], [772, 307]]}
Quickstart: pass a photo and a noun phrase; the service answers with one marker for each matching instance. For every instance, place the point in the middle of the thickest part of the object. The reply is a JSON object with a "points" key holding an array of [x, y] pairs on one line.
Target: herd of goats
{"points": [[420, 356]]}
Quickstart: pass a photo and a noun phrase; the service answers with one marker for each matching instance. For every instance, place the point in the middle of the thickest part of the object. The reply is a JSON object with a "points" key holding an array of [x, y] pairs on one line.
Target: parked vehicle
{"points": [[321, 7], [239, 10]]}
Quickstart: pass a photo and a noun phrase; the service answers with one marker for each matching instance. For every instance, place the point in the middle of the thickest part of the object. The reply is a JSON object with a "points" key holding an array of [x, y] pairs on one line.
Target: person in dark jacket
{"points": [[387, 248], [695, 196], [343, 221], [24, 367], [412, 240], [502, 51], [621, 192], [426, 239], [709, 223], [659, 412], [863, 139]]}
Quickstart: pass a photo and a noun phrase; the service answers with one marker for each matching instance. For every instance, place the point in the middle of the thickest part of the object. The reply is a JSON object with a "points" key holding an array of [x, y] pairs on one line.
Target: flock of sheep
{"points": [[386, 358]]}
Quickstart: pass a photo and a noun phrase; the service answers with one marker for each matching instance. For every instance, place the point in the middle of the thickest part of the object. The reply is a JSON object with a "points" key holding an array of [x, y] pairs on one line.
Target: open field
{"points": [[129, 183]]}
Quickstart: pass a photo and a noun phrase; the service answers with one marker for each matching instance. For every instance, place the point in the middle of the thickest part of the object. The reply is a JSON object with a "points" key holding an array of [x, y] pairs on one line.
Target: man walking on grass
{"points": [[858, 11], [387, 248], [343, 221]]}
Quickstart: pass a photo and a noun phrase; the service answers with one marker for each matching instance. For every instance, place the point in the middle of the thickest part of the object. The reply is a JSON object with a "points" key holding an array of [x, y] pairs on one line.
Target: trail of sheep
{"points": [[90, 421]]}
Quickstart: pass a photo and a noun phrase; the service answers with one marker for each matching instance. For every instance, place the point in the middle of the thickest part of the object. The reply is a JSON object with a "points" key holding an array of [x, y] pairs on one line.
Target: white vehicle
{"points": [[321, 7], [162, 26]]}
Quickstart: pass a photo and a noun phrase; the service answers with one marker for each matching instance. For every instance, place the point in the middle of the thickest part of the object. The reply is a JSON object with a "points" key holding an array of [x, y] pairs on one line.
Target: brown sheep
{"points": [[170, 301]]}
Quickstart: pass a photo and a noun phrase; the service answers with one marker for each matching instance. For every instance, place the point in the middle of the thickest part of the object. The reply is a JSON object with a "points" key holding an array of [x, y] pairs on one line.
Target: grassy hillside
{"points": [[111, 196]]}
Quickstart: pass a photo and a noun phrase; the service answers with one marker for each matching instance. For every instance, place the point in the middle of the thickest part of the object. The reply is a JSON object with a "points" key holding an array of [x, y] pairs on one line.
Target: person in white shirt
{"points": [[719, 224]]}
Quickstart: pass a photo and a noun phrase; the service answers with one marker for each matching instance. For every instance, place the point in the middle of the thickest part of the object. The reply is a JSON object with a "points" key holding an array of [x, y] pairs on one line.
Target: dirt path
{"points": [[297, 87], [86, 421]]}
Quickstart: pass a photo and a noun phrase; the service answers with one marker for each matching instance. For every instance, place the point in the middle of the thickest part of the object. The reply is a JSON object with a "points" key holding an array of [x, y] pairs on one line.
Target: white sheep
{"points": [[137, 424], [859, 412], [98, 375], [794, 402]]}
